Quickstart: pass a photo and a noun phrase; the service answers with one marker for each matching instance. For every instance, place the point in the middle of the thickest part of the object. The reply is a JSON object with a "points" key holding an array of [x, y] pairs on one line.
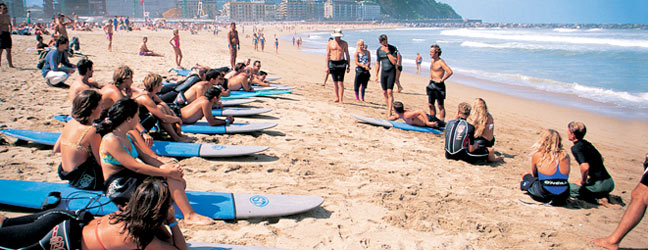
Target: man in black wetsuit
{"points": [[387, 56], [595, 182], [337, 63], [460, 139], [633, 214]]}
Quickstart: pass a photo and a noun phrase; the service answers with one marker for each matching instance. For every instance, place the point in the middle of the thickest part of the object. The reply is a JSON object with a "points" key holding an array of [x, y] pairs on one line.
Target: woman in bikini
{"points": [[125, 165], [175, 43]]}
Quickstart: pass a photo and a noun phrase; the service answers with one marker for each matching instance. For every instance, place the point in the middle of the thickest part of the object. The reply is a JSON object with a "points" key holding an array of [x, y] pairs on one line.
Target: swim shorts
{"points": [[5, 40], [400, 67], [387, 79], [436, 91], [337, 70], [121, 185], [644, 178]]}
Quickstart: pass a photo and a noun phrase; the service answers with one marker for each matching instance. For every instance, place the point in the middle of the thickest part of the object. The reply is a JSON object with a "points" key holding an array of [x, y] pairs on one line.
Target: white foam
{"points": [[509, 45], [418, 40], [535, 37], [565, 30]]}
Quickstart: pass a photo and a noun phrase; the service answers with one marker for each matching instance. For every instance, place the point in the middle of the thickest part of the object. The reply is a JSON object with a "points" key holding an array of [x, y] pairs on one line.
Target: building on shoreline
{"points": [[249, 11], [341, 10], [369, 11], [197, 8], [16, 8], [295, 10]]}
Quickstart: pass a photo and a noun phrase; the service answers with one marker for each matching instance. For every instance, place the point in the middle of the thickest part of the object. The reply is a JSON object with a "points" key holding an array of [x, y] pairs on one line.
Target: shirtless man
{"points": [[436, 90], [145, 51], [258, 78], [5, 33], [108, 29], [203, 106], [419, 60], [83, 82], [416, 118], [60, 26], [212, 78], [336, 62], [242, 80], [233, 43]]}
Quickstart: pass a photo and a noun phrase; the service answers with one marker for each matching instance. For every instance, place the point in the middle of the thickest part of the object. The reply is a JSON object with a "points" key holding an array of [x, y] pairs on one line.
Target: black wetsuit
{"points": [[337, 69], [459, 134], [87, 176], [51, 229], [388, 70], [362, 75], [436, 91], [599, 183], [169, 93]]}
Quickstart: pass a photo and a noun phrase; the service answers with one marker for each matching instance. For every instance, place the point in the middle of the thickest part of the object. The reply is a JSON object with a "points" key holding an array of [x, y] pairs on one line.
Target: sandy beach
{"points": [[382, 188]]}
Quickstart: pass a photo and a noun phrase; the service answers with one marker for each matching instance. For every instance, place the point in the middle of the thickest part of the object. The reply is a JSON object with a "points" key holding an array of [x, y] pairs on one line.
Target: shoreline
{"points": [[570, 100], [383, 188]]}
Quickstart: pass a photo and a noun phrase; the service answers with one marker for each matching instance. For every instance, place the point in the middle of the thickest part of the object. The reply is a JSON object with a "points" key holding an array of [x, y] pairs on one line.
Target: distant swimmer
{"points": [[337, 60], [633, 214], [175, 43], [547, 181], [460, 139], [233, 43], [145, 51], [416, 118], [595, 183], [419, 60], [436, 89], [387, 57]]}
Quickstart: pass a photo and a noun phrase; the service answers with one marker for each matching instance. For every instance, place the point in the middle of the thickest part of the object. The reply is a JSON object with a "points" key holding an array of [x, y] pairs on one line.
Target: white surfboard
{"points": [[282, 87], [374, 121], [235, 102], [215, 246], [260, 88], [216, 150], [269, 205], [272, 78]]}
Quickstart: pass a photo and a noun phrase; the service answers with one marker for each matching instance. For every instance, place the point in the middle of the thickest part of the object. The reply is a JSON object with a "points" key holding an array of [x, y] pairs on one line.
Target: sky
{"points": [[553, 11]]}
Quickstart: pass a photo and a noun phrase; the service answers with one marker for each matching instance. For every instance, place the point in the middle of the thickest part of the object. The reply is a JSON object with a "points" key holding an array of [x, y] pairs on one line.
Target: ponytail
{"points": [[117, 114]]}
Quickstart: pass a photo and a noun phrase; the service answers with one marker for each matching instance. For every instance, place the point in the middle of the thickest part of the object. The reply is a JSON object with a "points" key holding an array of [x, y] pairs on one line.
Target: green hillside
{"points": [[417, 9]]}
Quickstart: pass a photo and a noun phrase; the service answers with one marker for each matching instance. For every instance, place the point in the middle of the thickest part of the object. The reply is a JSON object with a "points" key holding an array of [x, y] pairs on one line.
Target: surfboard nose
{"points": [[267, 205]]}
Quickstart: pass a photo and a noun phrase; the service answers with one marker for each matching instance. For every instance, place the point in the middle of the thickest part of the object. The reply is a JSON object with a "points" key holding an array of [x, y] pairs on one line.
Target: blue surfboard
{"points": [[205, 128], [222, 206], [240, 94], [182, 72], [164, 148], [399, 125]]}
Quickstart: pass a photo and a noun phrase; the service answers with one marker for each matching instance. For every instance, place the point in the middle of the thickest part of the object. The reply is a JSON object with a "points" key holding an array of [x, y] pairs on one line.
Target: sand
{"points": [[383, 188]]}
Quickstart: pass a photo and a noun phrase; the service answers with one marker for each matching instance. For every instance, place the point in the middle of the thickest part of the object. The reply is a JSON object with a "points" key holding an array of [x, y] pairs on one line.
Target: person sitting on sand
{"points": [[144, 51], [83, 82], [54, 74], [547, 181], [416, 118], [79, 143], [595, 182], [483, 122], [142, 224], [122, 170], [202, 107], [212, 78], [153, 110], [633, 214], [120, 88], [460, 139], [256, 77]]}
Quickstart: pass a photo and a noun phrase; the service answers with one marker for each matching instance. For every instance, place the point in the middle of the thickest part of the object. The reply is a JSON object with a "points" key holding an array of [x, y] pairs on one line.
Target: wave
{"points": [[538, 37], [418, 40], [621, 98], [565, 30], [510, 45]]}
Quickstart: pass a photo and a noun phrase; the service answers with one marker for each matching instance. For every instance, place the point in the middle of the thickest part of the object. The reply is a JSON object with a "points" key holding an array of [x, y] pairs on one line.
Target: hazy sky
{"points": [[553, 11]]}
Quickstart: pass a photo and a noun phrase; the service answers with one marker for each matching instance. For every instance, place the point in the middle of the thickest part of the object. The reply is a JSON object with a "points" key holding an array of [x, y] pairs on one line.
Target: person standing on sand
{"points": [[276, 46], [337, 60], [5, 33], [108, 29], [362, 61], [632, 216], [262, 40], [233, 43], [399, 69], [60, 26], [436, 89], [386, 55], [419, 60], [595, 183], [175, 43]]}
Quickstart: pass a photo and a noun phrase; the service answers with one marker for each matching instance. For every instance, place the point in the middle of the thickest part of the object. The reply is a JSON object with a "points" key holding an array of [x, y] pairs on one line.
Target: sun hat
{"points": [[337, 33]]}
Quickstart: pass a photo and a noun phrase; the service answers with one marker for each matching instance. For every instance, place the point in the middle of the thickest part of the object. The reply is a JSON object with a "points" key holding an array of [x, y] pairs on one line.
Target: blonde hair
{"points": [[479, 116], [122, 73], [549, 145], [464, 109], [358, 47], [151, 81]]}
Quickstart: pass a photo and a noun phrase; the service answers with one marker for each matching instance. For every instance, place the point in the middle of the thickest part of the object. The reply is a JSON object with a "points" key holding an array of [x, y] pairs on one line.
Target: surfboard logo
{"points": [[259, 201]]}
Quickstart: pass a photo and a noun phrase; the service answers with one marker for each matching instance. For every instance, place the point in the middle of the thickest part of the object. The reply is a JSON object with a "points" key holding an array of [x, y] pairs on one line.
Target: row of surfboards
{"points": [[216, 205]]}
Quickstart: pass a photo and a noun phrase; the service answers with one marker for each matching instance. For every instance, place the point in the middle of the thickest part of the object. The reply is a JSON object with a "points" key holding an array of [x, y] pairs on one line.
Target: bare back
{"points": [[548, 167]]}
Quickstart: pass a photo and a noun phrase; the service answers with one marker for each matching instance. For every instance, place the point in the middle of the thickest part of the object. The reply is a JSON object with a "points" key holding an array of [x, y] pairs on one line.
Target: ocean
{"points": [[598, 70]]}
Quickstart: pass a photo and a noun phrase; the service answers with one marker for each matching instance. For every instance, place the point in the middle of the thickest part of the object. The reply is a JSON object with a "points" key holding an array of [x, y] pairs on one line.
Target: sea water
{"points": [[599, 70]]}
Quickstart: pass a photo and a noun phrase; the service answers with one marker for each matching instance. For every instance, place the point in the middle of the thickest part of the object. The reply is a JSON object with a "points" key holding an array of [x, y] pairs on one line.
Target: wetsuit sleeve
{"points": [[471, 134], [579, 155], [65, 60]]}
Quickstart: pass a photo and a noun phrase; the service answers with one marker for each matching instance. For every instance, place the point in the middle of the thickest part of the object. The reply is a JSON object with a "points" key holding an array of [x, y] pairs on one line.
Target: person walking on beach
{"points": [[363, 66], [108, 29], [233, 43], [595, 183], [387, 57], [337, 59], [5, 34], [633, 214], [276, 46], [419, 60], [175, 43], [436, 90]]}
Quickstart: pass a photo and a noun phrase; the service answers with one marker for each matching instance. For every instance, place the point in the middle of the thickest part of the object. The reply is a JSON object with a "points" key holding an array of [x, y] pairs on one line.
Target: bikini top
{"points": [[78, 145], [555, 183], [363, 58], [107, 158]]}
